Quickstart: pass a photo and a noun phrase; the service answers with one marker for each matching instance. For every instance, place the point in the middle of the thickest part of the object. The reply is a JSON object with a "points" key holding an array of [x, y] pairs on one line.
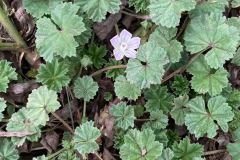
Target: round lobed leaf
{"points": [[85, 138], [85, 88], [124, 89], [123, 115], [148, 67], [41, 102], [53, 75]]}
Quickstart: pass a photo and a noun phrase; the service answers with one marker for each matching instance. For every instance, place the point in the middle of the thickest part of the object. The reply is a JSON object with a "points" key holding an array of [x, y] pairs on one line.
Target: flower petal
{"points": [[115, 41], [131, 54], [118, 54], [125, 36], [134, 43]]}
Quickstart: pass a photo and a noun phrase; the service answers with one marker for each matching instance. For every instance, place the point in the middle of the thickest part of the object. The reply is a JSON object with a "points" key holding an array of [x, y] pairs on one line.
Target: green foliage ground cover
{"points": [[132, 96]]}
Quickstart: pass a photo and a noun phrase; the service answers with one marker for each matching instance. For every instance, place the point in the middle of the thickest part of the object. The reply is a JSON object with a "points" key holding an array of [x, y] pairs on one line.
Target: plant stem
{"points": [[56, 153], [84, 109], [116, 29], [9, 27], [108, 68], [145, 17], [183, 68], [31, 57], [69, 107], [9, 46], [213, 152], [63, 122], [142, 120]]}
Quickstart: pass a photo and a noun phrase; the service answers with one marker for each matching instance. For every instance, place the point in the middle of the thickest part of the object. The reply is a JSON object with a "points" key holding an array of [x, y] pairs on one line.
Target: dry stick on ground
{"points": [[208, 153], [15, 134], [63, 122], [20, 44]]}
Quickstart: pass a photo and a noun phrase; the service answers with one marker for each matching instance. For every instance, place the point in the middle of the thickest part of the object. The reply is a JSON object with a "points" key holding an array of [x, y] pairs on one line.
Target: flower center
{"points": [[123, 46]]}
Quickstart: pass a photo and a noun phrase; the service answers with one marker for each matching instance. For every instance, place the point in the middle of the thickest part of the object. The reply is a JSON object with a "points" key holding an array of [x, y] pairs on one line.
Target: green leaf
{"points": [[96, 53], [55, 36], [43, 157], [236, 120], [165, 38], [167, 154], [85, 138], [206, 120], [108, 96], [138, 110], [180, 85], [173, 136], [41, 102], [114, 73], [184, 150], [86, 61], [2, 107], [158, 98], [235, 3], [168, 13], [38, 8], [21, 122], [7, 73], [234, 150], [97, 9], [69, 153], [158, 120], [53, 75], [85, 88], [233, 97], [235, 22], [180, 110], [8, 151], [236, 58], [209, 6], [123, 115], [85, 36], [161, 136], [140, 145], [236, 135], [139, 5], [206, 79], [125, 89], [215, 34], [147, 68]]}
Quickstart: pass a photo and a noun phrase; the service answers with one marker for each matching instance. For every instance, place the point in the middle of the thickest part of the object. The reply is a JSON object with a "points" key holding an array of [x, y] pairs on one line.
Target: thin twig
{"points": [[145, 17], [213, 152], [108, 68], [99, 157], [142, 120], [15, 134], [63, 122], [56, 153], [182, 29], [84, 109]]}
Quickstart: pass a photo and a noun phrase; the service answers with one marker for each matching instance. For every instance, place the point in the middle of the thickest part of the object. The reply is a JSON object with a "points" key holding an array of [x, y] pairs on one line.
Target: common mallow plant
{"points": [[182, 64]]}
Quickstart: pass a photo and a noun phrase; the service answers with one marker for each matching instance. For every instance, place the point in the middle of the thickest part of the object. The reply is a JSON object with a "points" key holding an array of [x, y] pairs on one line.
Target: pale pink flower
{"points": [[125, 45]]}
